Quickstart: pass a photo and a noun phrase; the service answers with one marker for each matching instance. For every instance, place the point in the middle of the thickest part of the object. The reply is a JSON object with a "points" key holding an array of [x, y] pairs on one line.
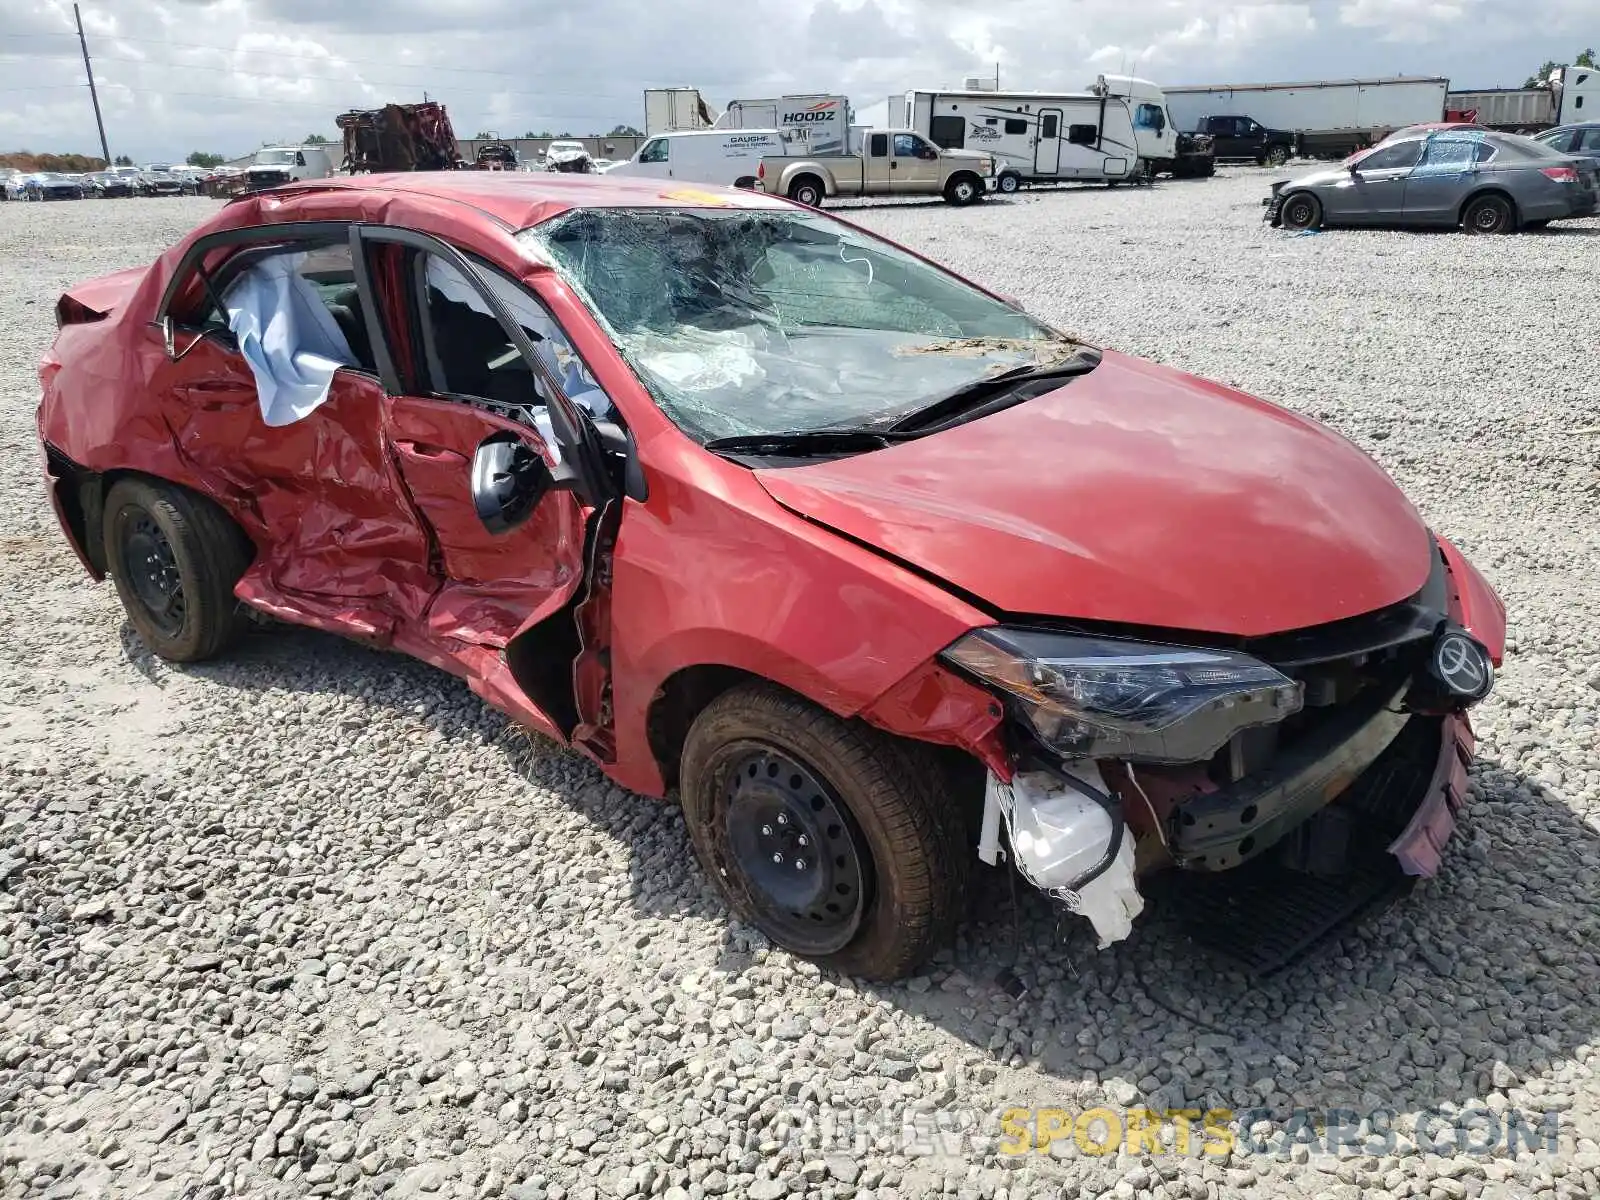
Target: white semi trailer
{"points": [[1326, 118]]}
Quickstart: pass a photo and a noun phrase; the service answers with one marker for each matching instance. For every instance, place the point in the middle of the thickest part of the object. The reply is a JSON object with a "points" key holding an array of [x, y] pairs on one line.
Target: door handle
{"points": [[429, 452]]}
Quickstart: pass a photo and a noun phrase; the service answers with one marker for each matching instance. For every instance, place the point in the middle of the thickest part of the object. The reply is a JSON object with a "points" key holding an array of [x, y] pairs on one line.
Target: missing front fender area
{"points": [[1067, 838]]}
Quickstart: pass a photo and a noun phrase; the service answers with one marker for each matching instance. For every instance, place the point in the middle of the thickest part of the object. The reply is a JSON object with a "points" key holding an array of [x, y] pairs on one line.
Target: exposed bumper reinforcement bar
{"points": [[1216, 831]]}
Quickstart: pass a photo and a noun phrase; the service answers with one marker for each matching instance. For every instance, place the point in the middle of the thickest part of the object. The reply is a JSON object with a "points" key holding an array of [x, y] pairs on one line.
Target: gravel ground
{"points": [[314, 921]]}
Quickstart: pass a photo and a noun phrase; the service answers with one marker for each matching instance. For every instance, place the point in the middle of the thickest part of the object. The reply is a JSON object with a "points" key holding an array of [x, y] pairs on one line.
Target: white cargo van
{"points": [[729, 157]]}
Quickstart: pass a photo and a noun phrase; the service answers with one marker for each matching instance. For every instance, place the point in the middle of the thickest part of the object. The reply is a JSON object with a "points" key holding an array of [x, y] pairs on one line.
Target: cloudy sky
{"points": [[226, 75]]}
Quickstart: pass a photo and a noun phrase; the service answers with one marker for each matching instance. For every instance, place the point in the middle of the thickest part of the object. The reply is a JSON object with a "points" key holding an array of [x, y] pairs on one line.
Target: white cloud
{"points": [[224, 75]]}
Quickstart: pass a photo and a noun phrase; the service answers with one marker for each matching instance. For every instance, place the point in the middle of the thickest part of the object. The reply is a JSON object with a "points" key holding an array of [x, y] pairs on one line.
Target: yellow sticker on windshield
{"points": [[696, 196]]}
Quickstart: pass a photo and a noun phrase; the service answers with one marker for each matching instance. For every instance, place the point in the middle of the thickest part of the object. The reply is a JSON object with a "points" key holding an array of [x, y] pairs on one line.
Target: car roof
{"points": [[520, 199]]}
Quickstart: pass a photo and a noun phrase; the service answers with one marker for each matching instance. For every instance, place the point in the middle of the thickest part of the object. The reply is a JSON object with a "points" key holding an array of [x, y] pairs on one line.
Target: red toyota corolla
{"points": [[883, 574]]}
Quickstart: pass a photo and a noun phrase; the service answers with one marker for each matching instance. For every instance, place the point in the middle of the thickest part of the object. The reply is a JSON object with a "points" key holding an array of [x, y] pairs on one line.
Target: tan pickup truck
{"points": [[888, 162]]}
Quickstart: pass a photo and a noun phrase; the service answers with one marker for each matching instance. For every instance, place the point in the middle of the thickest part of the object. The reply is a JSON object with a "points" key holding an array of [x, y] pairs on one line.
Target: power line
{"points": [[389, 83], [323, 58]]}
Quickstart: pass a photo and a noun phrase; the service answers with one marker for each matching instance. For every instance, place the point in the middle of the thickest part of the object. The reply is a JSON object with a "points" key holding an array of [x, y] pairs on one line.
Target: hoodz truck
{"points": [[812, 124]]}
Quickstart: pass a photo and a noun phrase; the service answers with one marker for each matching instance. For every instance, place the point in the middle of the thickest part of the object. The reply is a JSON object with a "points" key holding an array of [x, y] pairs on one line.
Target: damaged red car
{"points": [[883, 575]]}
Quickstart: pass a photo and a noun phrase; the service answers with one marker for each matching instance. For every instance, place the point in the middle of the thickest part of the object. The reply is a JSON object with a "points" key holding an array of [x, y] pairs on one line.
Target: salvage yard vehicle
{"points": [[1473, 179], [274, 165], [569, 158], [1246, 139], [879, 572], [51, 185], [158, 183], [398, 137], [106, 184], [887, 162]]}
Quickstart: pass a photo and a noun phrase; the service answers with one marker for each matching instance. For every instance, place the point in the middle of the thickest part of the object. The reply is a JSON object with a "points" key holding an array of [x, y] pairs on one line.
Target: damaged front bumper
{"points": [[1364, 783]]}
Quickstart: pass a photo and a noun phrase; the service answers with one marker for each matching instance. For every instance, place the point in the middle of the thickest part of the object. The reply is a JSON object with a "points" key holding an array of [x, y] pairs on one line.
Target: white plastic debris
{"points": [[1058, 835]]}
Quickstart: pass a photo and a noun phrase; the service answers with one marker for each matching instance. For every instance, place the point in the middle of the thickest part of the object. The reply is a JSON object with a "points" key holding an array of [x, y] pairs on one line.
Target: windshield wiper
{"points": [[988, 394], [807, 443]]}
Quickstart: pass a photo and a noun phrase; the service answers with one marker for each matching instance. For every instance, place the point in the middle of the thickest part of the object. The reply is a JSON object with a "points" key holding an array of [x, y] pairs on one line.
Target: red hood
{"points": [[1135, 494]]}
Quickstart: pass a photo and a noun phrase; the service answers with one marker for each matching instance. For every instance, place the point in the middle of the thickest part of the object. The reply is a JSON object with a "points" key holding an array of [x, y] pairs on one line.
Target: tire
{"points": [[747, 181], [902, 861], [1489, 214], [807, 190], [963, 190], [1301, 210], [1008, 183], [167, 548], [1276, 156]]}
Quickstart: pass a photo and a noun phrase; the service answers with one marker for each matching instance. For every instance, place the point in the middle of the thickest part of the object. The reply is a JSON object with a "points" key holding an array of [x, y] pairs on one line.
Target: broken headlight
{"points": [[1089, 697]]}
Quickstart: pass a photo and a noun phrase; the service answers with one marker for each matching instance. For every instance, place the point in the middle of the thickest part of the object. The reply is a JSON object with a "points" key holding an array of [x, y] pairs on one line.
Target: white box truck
{"points": [[815, 124], [669, 110], [1117, 130], [1326, 119]]}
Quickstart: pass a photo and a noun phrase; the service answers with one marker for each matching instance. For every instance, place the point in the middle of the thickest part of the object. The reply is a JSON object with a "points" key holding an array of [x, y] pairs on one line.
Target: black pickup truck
{"points": [[1245, 138]]}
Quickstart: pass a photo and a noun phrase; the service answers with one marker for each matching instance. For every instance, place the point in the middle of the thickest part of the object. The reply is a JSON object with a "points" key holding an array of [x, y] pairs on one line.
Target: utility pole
{"points": [[94, 96]]}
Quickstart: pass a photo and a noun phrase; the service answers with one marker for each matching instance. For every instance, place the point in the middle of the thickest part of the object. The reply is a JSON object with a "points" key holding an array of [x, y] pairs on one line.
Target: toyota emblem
{"points": [[1463, 666]]}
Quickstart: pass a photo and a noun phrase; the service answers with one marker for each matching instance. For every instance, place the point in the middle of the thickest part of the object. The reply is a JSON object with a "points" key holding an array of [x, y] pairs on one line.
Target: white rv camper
{"points": [[1109, 133]]}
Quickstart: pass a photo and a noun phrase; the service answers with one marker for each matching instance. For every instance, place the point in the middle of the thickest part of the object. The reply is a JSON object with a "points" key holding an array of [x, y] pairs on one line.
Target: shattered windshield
{"points": [[743, 322]]}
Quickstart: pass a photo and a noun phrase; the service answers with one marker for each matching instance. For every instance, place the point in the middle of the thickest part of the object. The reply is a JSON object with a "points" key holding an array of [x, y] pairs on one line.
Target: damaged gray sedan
{"points": [[1471, 179]]}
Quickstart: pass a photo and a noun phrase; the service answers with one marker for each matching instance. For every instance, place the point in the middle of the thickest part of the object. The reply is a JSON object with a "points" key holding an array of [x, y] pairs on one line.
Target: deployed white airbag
{"points": [[287, 336]]}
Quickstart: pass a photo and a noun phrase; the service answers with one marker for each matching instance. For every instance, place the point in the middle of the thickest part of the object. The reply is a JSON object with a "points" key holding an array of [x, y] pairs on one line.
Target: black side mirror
{"points": [[509, 478]]}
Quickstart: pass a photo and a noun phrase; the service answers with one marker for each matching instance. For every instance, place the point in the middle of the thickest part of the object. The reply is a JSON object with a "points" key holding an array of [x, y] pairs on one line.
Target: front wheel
{"points": [[837, 842], [1489, 214], [1301, 211], [963, 189], [175, 558]]}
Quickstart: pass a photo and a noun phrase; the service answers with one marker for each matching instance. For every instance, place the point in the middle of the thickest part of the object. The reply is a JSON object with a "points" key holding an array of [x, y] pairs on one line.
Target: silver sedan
{"points": [[1473, 179]]}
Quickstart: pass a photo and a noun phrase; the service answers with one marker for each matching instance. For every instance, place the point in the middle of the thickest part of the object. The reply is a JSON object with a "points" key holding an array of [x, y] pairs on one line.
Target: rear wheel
{"points": [[964, 189], [807, 190], [1277, 156], [1489, 214], [1301, 211], [175, 558], [747, 181], [834, 840]]}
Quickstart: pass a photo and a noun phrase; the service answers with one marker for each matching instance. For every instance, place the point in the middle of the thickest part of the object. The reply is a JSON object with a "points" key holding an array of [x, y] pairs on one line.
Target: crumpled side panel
{"points": [[326, 507]]}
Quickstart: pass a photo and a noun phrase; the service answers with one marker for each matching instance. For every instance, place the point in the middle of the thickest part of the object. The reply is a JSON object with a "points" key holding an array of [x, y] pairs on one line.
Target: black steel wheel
{"points": [[1301, 211], [797, 847], [1489, 214], [175, 558], [838, 842], [147, 562]]}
